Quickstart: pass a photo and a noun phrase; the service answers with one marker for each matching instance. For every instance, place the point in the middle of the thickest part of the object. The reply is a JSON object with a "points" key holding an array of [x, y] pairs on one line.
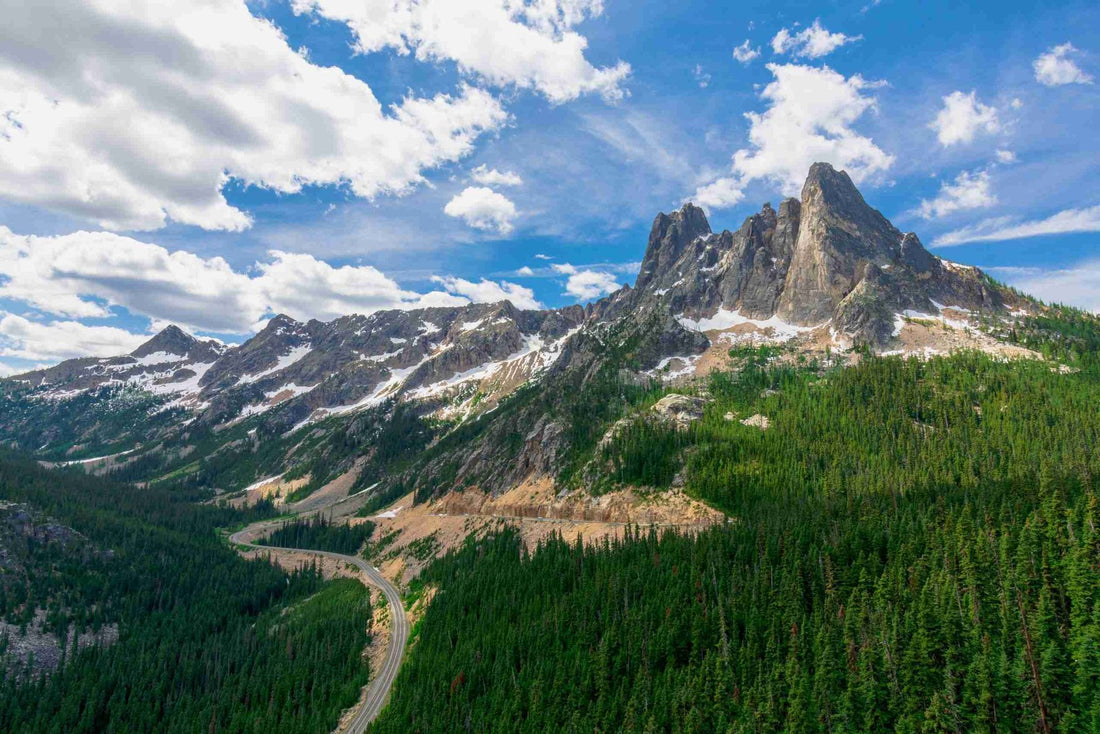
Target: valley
{"points": [[788, 468], [549, 367], [377, 692]]}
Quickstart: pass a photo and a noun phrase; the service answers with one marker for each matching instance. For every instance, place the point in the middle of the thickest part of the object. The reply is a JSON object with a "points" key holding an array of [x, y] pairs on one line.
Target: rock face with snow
{"points": [[316, 369], [829, 257], [172, 361]]}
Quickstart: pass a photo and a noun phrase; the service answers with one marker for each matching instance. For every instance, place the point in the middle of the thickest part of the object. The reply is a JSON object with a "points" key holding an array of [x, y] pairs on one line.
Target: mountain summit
{"points": [[172, 340], [828, 257]]}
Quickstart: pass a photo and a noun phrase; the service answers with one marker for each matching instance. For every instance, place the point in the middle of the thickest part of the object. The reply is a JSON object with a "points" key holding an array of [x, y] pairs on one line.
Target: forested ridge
{"points": [[207, 641], [319, 533], [913, 546]]}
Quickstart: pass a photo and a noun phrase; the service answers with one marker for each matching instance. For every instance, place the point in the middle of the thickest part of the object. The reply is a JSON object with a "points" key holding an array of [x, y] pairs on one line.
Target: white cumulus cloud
{"points": [[589, 284], [482, 208], [585, 284], [492, 177], [719, 194], [488, 291], [962, 117], [132, 114], [812, 42], [810, 118], [22, 338], [745, 53], [85, 274], [530, 45], [997, 229], [969, 190], [1055, 67]]}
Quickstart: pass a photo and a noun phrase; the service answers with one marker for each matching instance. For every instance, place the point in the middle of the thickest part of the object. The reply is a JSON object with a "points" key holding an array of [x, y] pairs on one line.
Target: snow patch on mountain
{"points": [[379, 358], [294, 355], [724, 319]]}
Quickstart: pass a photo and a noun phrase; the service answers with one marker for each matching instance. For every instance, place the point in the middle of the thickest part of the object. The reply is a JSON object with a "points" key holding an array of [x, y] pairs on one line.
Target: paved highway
{"points": [[378, 689]]}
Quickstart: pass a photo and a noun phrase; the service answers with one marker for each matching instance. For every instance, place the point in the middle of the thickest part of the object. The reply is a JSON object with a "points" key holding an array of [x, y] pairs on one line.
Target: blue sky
{"points": [[323, 156]]}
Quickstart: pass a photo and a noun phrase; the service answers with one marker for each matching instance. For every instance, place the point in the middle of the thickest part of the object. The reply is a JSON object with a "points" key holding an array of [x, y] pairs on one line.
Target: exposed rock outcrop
{"points": [[679, 410], [826, 257]]}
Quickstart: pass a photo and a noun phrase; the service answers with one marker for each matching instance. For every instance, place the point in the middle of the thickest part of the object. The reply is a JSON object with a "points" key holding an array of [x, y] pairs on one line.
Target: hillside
{"points": [[177, 632], [912, 545]]}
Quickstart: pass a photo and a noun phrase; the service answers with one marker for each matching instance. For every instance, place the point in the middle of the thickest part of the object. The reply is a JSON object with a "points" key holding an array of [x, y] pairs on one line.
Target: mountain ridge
{"points": [[824, 272]]}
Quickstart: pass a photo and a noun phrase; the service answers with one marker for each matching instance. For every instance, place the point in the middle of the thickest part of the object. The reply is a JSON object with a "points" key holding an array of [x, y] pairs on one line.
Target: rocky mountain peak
{"points": [[669, 236], [171, 340], [827, 257], [915, 256], [839, 235], [281, 322], [832, 188]]}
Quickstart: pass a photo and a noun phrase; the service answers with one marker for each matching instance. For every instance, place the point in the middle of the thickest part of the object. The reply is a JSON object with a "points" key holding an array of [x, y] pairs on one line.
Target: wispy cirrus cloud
{"points": [[999, 229], [1077, 285]]}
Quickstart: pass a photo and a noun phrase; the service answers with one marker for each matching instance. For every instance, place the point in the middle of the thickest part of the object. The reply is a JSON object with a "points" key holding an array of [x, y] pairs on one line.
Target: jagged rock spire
{"points": [[826, 257], [668, 237]]}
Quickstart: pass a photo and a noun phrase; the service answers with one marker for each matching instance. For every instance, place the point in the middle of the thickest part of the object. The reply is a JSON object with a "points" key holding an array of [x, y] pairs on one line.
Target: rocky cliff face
{"points": [[34, 546], [827, 258], [171, 361]]}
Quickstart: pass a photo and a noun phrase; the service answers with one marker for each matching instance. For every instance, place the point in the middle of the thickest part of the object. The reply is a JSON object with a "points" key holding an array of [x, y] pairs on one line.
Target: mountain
{"points": [[829, 259], [173, 361], [318, 369], [719, 474], [821, 275]]}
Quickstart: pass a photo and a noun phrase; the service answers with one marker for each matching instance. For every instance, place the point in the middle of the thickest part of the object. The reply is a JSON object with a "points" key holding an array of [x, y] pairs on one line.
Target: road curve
{"points": [[378, 689]]}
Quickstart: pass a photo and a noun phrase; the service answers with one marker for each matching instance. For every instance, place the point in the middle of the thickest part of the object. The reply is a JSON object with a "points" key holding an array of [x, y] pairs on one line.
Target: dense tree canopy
{"points": [[207, 640], [320, 533], [913, 546]]}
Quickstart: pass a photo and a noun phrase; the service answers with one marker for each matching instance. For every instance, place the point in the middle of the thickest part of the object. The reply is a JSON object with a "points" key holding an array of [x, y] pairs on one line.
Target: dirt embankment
{"points": [[536, 499], [290, 560], [278, 490], [407, 537]]}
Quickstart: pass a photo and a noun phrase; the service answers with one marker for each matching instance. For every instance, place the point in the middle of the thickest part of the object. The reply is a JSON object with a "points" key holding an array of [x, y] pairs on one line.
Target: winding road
{"points": [[378, 689]]}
